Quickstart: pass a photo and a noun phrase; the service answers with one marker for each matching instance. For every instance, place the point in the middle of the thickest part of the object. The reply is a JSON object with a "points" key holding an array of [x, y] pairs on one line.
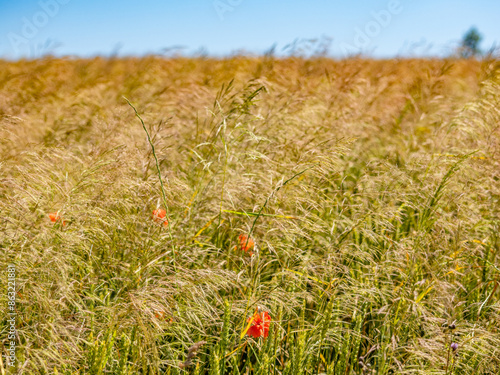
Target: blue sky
{"points": [[380, 28]]}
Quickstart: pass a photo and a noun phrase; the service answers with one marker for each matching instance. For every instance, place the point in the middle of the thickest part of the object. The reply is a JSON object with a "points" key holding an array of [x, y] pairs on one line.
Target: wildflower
{"points": [[454, 346], [161, 315], [159, 216], [55, 217], [246, 244], [260, 324]]}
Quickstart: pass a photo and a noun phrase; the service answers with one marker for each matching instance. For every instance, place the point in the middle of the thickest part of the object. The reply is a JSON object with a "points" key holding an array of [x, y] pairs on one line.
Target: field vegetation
{"points": [[251, 215]]}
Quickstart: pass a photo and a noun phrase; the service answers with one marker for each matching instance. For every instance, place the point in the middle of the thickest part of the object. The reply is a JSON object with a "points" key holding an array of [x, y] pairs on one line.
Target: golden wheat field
{"points": [[250, 215]]}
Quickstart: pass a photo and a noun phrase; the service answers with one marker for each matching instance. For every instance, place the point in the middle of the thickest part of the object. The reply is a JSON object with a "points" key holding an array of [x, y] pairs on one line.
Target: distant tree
{"points": [[470, 43]]}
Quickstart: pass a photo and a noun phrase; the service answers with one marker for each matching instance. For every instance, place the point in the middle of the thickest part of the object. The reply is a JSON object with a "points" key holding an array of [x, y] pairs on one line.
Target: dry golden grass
{"points": [[370, 188]]}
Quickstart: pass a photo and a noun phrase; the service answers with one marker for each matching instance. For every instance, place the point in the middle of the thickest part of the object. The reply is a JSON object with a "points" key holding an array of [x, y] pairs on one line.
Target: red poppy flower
{"points": [[159, 216], [260, 324], [246, 244], [54, 217], [161, 315]]}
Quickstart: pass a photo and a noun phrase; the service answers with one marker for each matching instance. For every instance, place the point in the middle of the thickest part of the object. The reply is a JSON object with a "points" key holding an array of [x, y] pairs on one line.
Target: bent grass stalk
{"points": [[269, 197], [162, 188]]}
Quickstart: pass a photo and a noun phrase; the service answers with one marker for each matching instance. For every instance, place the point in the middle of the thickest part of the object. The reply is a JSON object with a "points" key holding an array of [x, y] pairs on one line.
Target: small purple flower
{"points": [[454, 346]]}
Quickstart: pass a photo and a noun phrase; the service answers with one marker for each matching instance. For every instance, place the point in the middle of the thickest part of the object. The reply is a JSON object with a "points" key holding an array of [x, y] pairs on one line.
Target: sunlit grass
{"points": [[252, 215]]}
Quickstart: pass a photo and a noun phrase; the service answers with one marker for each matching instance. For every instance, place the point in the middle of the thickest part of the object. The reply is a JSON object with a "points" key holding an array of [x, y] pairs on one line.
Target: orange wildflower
{"points": [[246, 244], [161, 315], [260, 324], [54, 217], [160, 215]]}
